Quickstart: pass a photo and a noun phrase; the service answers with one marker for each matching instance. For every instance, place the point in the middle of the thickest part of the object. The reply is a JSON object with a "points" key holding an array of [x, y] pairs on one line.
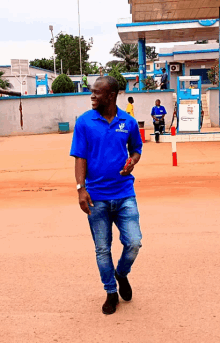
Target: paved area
{"points": [[50, 287]]}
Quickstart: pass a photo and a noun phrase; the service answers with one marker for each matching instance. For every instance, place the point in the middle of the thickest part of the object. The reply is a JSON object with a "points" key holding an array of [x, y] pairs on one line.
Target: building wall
{"points": [[213, 105], [41, 114], [30, 86]]}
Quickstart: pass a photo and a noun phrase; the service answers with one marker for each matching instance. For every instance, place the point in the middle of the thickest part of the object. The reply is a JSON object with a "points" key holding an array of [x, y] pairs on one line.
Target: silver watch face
{"points": [[79, 186]]}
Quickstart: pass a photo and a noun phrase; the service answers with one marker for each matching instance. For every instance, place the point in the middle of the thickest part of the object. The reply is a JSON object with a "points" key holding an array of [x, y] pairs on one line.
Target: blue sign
{"points": [[207, 22]]}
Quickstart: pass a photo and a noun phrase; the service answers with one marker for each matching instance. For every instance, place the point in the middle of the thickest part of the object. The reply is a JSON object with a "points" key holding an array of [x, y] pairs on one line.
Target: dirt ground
{"points": [[50, 287]]}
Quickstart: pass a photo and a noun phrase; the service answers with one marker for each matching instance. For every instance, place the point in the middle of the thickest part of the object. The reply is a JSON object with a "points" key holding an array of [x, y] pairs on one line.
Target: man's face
{"points": [[157, 103], [101, 95]]}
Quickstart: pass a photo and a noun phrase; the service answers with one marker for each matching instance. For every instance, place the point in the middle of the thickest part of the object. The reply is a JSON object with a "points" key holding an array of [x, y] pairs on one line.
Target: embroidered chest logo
{"points": [[121, 128]]}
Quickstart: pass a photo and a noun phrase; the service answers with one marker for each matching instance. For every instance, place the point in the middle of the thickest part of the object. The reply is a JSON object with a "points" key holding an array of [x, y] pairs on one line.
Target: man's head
{"points": [[157, 102], [104, 93], [164, 70], [86, 74], [131, 100]]}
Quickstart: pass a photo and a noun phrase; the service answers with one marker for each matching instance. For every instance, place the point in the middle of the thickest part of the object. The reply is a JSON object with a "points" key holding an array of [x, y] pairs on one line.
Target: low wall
{"points": [[213, 105], [41, 114]]}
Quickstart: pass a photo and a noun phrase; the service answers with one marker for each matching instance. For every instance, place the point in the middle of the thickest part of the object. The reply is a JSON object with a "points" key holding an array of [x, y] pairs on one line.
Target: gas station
{"points": [[164, 21]]}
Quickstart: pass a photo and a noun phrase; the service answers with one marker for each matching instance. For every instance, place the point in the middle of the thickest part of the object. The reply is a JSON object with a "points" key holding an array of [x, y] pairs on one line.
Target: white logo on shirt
{"points": [[121, 128]]}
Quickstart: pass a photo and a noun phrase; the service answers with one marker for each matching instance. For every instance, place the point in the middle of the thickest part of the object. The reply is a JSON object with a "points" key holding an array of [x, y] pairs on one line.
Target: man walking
{"points": [[164, 79], [158, 113], [102, 139]]}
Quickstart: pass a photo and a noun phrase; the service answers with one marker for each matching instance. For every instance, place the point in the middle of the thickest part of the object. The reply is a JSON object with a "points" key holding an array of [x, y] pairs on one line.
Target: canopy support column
{"points": [[141, 62]]}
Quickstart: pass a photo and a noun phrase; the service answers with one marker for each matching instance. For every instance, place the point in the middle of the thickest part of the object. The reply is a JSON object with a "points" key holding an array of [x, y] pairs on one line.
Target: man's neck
{"points": [[109, 113]]}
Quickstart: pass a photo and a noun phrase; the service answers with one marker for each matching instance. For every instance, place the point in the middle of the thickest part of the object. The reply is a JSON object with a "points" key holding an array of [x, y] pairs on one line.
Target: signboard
{"points": [[41, 90], [189, 118]]}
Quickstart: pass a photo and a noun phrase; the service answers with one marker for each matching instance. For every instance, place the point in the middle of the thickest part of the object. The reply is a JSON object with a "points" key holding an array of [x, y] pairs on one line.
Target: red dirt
{"points": [[50, 287]]}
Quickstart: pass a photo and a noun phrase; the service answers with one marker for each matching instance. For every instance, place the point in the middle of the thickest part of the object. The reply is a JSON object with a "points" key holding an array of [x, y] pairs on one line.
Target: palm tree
{"points": [[4, 84], [128, 54]]}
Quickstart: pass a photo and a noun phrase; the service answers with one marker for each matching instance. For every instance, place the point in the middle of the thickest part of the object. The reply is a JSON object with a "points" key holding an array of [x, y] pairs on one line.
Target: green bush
{"points": [[120, 78], [149, 83], [63, 84]]}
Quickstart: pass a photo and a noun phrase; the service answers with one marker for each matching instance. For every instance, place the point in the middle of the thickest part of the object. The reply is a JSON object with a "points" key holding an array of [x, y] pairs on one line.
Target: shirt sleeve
{"points": [[164, 110], [79, 141], [134, 141], [153, 112]]}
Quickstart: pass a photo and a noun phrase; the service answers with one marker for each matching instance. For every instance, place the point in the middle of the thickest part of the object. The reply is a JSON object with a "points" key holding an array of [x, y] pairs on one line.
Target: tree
{"points": [[67, 50], [4, 84], [44, 63], [128, 54], [63, 84], [120, 78], [213, 73], [92, 67]]}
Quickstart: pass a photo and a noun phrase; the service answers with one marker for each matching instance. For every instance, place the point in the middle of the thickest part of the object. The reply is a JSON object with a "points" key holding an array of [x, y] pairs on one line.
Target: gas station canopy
{"points": [[169, 31], [163, 10]]}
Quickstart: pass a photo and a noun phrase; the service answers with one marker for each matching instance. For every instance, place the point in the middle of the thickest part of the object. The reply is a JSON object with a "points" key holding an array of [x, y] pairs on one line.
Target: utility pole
{"points": [[54, 58]]}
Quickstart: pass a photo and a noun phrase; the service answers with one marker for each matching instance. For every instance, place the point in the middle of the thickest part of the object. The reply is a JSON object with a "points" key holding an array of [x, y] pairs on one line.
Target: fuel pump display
{"points": [[189, 104]]}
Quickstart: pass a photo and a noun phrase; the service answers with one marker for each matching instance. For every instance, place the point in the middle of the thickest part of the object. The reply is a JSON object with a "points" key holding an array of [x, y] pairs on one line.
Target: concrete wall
{"points": [[41, 114], [213, 105]]}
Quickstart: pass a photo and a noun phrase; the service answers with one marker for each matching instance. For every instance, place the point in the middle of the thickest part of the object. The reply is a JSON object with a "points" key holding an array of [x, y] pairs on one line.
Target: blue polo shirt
{"points": [[158, 111], [105, 147]]}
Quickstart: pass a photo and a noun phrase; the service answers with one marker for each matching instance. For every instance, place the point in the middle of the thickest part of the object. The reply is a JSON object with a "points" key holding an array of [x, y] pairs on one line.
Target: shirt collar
{"points": [[120, 114]]}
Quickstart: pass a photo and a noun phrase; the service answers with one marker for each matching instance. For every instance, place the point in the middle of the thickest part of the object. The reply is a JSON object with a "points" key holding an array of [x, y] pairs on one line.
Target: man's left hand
{"points": [[129, 169]]}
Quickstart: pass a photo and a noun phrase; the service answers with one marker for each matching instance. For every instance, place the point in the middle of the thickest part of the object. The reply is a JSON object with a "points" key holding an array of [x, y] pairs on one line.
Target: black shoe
{"points": [[125, 290], [109, 307]]}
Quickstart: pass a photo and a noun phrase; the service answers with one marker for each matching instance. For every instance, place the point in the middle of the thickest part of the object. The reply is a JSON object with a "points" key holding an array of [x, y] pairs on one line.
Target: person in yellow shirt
{"points": [[130, 106]]}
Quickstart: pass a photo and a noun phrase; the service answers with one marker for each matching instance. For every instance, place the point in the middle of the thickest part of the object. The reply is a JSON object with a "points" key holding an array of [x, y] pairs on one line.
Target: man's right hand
{"points": [[85, 200]]}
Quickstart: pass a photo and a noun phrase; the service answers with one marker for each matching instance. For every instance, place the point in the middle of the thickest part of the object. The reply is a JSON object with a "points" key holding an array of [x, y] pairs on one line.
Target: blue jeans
{"points": [[124, 213]]}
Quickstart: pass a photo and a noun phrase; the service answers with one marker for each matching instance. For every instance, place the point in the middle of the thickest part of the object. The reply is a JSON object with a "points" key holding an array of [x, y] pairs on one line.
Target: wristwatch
{"points": [[79, 186]]}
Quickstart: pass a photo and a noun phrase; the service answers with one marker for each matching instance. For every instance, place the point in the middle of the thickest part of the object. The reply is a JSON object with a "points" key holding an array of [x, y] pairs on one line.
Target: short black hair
{"points": [[164, 69], [112, 82], [130, 99]]}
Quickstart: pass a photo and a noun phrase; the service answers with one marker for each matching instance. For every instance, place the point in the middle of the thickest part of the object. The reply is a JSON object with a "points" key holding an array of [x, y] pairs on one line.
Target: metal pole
{"points": [[80, 52], [219, 67], [61, 66], [54, 59]]}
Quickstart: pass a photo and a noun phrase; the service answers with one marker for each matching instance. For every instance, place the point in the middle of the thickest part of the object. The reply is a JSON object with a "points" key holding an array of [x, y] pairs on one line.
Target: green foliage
{"points": [[63, 84], [120, 78], [4, 84], [149, 83], [213, 73], [67, 50], [92, 67], [45, 63], [128, 54]]}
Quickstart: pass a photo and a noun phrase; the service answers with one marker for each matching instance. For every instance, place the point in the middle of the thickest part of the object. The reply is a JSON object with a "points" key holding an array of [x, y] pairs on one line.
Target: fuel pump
{"points": [[189, 104]]}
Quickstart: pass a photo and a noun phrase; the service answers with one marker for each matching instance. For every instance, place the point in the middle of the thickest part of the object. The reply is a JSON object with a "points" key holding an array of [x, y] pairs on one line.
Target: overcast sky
{"points": [[25, 27]]}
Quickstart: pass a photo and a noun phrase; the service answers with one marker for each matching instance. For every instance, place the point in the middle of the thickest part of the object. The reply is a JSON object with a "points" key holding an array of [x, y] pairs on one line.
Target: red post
{"points": [[173, 134], [142, 133]]}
